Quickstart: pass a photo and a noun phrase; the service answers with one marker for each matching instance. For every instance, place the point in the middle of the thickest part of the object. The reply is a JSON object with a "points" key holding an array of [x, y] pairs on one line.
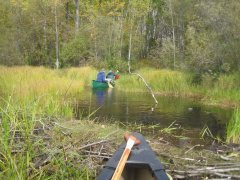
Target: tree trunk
{"points": [[56, 26], [130, 46], [121, 34], [110, 40], [67, 17], [45, 30], [76, 3], [173, 31]]}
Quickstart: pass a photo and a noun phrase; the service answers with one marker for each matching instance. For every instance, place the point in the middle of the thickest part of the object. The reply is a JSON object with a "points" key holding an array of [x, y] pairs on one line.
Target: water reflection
{"points": [[101, 93], [136, 108]]}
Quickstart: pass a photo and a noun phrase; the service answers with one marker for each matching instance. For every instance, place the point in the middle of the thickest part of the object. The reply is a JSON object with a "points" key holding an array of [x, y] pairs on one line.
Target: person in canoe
{"points": [[110, 75], [101, 76]]}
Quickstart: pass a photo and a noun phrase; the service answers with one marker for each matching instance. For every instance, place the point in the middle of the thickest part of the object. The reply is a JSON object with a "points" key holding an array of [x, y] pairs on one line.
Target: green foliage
{"points": [[117, 64], [165, 58], [76, 52], [195, 36], [233, 128]]}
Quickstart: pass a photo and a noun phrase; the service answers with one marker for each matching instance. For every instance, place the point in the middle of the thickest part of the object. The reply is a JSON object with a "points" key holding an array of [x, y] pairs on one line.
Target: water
{"points": [[136, 108]]}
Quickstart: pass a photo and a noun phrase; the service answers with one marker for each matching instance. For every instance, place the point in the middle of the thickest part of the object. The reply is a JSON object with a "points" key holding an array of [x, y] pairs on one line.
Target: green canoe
{"points": [[97, 84]]}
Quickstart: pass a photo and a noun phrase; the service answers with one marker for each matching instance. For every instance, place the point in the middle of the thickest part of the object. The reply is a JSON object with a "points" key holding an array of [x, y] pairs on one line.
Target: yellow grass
{"points": [[160, 81], [27, 82]]}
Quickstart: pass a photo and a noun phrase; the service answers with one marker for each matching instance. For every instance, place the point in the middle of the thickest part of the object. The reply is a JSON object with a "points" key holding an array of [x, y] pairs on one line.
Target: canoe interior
{"points": [[131, 173]]}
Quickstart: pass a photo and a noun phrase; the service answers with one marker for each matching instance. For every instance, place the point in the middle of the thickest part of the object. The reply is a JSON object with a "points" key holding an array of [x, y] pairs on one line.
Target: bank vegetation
{"points": [[41, 137]]}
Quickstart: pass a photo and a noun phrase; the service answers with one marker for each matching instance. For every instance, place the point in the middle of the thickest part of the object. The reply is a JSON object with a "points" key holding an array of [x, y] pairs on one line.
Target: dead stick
{"points": [[187, 159], [36, 99], [92, 144], [192, 148], [202, 171], [227, 175]]}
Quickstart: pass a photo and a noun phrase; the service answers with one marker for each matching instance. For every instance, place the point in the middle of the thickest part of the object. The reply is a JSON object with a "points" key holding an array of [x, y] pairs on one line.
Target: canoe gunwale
{"points": [[97, 84]]}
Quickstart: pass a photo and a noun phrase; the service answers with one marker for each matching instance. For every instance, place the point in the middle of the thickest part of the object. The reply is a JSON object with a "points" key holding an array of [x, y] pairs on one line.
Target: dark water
{"points": [[136, 108]]}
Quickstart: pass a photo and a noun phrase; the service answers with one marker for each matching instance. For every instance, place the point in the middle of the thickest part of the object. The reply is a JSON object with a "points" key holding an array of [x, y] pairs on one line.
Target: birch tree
{"points": [[56, 28], [76, 4], [135, 8], [170, 6]]}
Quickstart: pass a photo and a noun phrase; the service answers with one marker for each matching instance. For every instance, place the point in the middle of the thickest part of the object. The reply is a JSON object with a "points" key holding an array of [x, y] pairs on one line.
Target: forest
{"points": [[51, 50], [188, 35]]}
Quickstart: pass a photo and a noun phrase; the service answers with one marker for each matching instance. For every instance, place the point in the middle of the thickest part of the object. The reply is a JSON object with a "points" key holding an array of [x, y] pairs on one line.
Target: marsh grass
{"points": [[22, 148], [22, 103], [31, 97], [233, 128], [53, 88], [226, 88], [161, 81], [27, 83], [13, 166], [223, 90]]}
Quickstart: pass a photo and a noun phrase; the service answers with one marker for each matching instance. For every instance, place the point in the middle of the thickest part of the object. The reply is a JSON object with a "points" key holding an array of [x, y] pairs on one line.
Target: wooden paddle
{"points": [[131, 141], [109, 84]]}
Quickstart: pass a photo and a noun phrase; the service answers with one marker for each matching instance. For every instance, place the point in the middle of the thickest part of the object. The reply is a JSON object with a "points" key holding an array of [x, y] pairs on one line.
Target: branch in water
{"points": [[145, 84], [129, 57]]}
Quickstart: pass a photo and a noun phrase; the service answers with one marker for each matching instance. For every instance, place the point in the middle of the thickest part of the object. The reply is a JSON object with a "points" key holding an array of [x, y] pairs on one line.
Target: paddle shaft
{"points": [[123, 160]]}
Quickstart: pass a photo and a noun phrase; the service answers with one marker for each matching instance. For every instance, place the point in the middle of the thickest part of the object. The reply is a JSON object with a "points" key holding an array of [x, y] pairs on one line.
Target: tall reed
{"points": [[16, 152], [22, 148], [33, 99], [233, 128], [223, 90], [27, 83]]}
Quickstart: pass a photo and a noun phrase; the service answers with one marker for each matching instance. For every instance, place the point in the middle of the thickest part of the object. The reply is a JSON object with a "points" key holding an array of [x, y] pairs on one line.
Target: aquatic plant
{"points": [[233, 128], [168, 129]]}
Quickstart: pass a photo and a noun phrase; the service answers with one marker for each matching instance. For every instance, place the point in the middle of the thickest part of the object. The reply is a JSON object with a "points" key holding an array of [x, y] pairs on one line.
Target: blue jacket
{"points": [[101, 77]]}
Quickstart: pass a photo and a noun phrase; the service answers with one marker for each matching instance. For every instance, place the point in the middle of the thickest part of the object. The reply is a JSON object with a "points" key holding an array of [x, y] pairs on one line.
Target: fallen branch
{"points": [[192, 148], [36, 99], [92, 144], [97, 156], [226, 158], [43, 125], [204, 171], [227, 175], [111, 133], [146, 86], [163, 155], [61, 126], [225, 164], [139, 76], [101, 154]]}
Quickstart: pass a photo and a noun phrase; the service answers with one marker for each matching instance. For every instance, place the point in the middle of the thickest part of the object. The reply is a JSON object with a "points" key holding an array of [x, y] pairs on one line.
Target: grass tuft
{"points": [[233, 128]]}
